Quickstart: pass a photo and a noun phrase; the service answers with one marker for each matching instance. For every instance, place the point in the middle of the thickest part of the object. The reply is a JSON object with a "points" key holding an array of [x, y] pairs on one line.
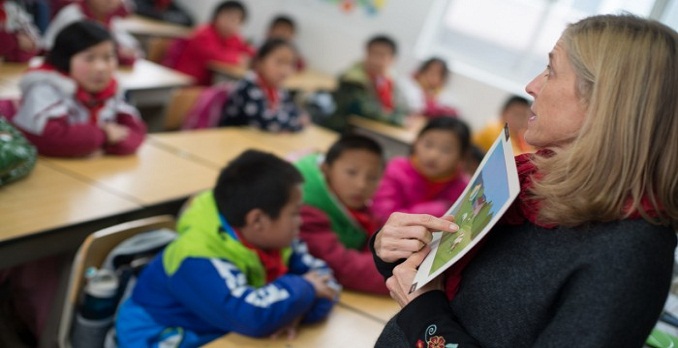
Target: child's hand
{"points": [[289, 330], [25, 42], [115, 133], [321, 284]]}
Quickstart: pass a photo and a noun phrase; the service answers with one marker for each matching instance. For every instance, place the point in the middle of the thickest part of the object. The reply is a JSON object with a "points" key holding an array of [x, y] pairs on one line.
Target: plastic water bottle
{"points": [[95, 315]]}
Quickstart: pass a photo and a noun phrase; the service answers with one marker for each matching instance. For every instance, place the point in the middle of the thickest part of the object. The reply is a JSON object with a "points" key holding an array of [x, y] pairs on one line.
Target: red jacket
{"points": [[354, 269], [53, 118], [205, 46]]}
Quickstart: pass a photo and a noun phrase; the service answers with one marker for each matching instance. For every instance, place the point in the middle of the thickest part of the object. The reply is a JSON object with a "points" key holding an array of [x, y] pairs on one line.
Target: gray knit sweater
{"points": [[602, 285]]}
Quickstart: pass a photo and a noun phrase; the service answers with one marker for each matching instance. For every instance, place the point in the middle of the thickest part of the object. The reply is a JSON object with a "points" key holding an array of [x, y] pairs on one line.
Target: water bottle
{"points": [[95, 316]]}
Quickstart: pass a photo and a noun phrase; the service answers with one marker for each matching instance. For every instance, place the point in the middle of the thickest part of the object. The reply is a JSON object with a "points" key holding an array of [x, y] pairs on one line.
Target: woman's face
{"points": [[557, 112], [93, 68], [277, 66]]}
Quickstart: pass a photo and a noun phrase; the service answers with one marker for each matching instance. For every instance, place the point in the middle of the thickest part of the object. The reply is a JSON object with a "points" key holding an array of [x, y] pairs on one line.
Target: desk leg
{"points": [[50, 334]]}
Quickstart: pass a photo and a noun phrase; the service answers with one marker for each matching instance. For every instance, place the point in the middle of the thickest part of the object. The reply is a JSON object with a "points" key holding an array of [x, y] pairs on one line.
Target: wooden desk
{"points": [[395, 140], [49, 198], [343, 328], [308, 80], [10, 74], [148, 27], [217, 146], [152, 176], [380, 307]]}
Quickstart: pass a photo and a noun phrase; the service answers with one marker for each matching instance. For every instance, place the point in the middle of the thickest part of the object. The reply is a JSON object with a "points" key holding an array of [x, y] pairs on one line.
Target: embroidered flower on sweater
{"points": [[434, 341]]}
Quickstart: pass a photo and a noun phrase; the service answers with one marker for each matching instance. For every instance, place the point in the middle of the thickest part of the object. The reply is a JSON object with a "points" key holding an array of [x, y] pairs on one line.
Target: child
{"points": [[235, 266], [18, 34], [368, 90], [72, 105], [515, 112], [102, 11], [422, 89], [283, 27], [259, 99], [432, 178], [218, 41], [336, 218]]}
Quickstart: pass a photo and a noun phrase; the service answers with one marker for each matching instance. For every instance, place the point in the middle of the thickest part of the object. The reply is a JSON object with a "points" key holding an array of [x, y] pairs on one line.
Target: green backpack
{"points": [[17, 155]]}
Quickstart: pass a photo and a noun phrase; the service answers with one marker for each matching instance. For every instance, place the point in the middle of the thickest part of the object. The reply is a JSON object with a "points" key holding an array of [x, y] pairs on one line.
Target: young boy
{"points": [[235, 266], [284, 27], [219, 41], [515, 112], [336, 217], [367, 89]]}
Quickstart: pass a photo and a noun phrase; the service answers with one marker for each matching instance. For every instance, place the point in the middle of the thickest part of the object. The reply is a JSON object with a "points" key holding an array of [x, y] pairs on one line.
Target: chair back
{"points": [[92, 253]]}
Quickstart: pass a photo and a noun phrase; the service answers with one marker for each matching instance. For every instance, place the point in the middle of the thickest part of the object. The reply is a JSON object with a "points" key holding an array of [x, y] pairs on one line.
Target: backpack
{"points": [[17, 155], [206, 112]]}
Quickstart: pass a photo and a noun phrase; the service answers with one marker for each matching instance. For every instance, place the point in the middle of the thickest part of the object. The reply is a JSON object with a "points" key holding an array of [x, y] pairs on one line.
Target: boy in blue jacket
{"points": [[235, 267]]}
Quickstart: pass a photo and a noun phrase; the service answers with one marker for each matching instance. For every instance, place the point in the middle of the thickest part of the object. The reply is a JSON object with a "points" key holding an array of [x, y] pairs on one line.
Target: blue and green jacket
{"points": [[207, 283]]}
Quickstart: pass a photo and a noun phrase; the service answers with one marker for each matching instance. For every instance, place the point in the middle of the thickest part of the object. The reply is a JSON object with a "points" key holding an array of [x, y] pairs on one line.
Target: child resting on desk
{"points": [[105, 12], [259, 99], [367, 89], [218, 41], [235, 267], [432, 177], [72, 105], [336, 218]]}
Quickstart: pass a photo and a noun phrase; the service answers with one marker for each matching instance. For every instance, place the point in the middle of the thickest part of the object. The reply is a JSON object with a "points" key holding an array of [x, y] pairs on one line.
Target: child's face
{"points": [[277, 65], [379, 59], [354, 177], [280, 232], [438, 153], [104, 6], [228, 23], [93, 68], [281, 31], [432, 77], [517, 115]]}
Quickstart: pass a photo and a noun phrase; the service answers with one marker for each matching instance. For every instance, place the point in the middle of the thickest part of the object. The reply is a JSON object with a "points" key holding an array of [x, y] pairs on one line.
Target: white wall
{"points": [[331, 40]]}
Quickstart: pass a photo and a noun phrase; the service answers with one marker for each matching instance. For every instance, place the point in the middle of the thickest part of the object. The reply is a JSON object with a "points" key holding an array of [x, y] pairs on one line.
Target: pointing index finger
{"points": [[431, 222]]}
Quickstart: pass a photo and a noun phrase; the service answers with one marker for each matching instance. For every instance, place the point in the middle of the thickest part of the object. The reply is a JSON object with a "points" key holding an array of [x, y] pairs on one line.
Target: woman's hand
{"points": [[400, 282], [406, 234]]}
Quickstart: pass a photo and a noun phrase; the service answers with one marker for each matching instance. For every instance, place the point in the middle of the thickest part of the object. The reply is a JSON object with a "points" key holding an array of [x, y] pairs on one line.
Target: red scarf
{"points": [[271, 92], [384, 88], [3, 14], [94, 102], [162, 4], [271, 259], [365, 219]]}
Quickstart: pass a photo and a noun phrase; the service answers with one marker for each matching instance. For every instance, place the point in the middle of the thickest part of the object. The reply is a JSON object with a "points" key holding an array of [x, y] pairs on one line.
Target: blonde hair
{"points": [[627, 149]]}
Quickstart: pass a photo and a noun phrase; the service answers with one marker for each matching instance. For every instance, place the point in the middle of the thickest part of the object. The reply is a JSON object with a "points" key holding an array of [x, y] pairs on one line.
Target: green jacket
{"points": [[201, 235], [318, 195], [356, 95]]}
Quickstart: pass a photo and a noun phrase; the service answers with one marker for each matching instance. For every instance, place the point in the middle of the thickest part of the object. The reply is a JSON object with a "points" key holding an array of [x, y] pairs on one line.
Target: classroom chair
{"points": [[92, 253], [181, 102], [156, 49]]}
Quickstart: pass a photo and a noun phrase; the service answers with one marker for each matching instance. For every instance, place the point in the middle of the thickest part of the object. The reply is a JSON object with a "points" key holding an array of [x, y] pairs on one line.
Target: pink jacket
{"points": [[403, 189]]}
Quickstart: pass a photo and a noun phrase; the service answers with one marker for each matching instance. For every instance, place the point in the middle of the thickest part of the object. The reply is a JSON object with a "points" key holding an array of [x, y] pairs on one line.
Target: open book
{"points": [[490, 192]]}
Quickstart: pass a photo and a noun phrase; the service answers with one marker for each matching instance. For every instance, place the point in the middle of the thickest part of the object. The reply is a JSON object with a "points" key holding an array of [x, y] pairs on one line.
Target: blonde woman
{"points": [[584, 257]]}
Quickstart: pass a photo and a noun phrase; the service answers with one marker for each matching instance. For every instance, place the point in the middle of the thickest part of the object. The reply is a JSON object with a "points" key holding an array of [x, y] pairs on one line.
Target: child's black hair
{"points": [[254, 180], [383, 40], [271, 45], [475, 153], [73, 39], [284, 20], [454, 125], [515, 99], [435, 60], [353, 142], [230, 5]]}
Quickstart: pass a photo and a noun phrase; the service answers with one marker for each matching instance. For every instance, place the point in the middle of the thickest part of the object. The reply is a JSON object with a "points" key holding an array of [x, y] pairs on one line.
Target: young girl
{"points": [[423, 87], [336, 218], [259, 99], [71, 105], [105, 12], [432, 178]]}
